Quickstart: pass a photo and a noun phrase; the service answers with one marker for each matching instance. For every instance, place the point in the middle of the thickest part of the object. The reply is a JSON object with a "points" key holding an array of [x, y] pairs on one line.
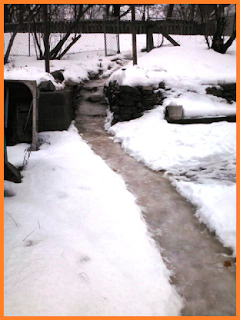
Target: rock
{"points": [[128, 89], [72, 83], [147, 90], [125, 117], [9, 193], [217, 92], [161, 85], [58, 75], [229, 86], [226, 91], [128, 102], [115, 109], [125, 102], [92, 75], [11, 173], [90, 89], [46, 86], [96, 98], [137, 115], [126, 111]]}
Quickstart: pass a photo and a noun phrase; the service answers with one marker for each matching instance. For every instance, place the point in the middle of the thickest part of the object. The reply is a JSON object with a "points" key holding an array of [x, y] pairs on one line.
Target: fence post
{"points": [[29, 40], [34, 119], [46, 37], [105, 36], [134, 37], [118, 40]]}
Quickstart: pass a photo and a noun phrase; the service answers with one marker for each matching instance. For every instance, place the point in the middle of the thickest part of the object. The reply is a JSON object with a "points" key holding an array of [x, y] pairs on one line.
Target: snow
{"points": [[80, 245], [17, 153], [157, 66], [75, 240], [173, 146], [200, 159], [85, 57], [216, 208], [187, 71], [75, 69]]}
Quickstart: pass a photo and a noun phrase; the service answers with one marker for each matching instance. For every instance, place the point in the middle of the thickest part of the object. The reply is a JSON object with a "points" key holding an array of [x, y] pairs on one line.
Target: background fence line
{"points": [[105, 31], [97, 26]]}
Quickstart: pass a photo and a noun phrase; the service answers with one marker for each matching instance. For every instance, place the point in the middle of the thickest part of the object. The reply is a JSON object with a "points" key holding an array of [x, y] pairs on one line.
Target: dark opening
{"points": [[17, 113]]}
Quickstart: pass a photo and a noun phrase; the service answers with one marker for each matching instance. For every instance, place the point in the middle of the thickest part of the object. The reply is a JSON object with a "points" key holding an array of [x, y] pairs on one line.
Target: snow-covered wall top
{"points": [[187, 65]]}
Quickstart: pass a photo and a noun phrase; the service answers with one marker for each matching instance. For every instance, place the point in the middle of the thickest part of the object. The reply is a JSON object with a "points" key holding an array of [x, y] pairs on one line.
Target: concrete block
{"points": [[174, 112], [55, 110]]}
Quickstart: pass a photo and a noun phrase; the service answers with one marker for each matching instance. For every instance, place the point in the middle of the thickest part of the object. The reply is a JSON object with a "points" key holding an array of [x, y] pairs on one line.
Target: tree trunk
{"points": [[192, 11], [150, 44], [116, 10], [32, 14], [222, 47], [218, 44], [6, 56], [170, 11], [46, 37], [55, 51]]}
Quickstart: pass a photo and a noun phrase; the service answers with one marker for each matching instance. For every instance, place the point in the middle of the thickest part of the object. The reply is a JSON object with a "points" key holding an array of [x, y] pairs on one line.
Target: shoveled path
{"points": [[199, 262]]}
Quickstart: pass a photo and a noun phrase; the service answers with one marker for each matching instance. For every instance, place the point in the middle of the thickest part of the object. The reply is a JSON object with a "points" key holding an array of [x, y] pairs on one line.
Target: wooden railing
{"points": [[100, 26]]}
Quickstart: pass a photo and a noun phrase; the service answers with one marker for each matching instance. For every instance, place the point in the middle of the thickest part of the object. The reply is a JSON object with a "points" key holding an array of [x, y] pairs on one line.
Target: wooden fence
{"points": [[100, 26]]}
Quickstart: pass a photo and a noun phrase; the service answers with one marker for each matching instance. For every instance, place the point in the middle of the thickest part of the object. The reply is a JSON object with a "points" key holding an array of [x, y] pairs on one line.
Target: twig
{"points": [[29, 234], [83, 273], [12, 219]]}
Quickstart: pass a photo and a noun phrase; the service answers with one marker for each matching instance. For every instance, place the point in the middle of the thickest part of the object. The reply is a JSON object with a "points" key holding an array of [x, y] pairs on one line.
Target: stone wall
{"points": [[127, 103], [226, 91]]}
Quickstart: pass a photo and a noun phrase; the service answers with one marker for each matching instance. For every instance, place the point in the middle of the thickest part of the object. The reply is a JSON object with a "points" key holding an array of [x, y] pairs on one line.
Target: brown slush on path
{"points": [[203, 271]]}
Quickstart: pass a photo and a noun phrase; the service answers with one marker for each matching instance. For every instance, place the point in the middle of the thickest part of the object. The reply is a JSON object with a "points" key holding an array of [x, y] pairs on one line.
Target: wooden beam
{"points": [[134, 37], [169, 38]]}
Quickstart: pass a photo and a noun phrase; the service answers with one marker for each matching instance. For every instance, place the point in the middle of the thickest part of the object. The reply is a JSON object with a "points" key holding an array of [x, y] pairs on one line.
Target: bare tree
{"points": [[215, 22], [185, 12], [117, 10], [17, 13], [170, 11], [58, 52]]}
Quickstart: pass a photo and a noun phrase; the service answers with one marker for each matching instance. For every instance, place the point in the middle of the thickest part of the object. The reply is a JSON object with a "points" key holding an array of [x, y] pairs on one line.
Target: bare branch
{"points": [[74, 40]]}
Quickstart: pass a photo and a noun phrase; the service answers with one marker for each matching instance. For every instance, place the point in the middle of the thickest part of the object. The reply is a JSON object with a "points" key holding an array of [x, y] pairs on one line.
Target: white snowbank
{"points": [[161, 145], [186, 65], [75, 242], [216, 207]]}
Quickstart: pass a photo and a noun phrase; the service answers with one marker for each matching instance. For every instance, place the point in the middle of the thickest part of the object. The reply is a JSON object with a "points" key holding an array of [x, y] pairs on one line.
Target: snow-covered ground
{"points": [[75, 241], [80, 246], [199, 158]]}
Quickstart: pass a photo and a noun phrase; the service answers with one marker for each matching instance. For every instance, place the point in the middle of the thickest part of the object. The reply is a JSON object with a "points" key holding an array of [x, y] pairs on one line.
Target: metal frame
{"points": [[32, 85]]}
